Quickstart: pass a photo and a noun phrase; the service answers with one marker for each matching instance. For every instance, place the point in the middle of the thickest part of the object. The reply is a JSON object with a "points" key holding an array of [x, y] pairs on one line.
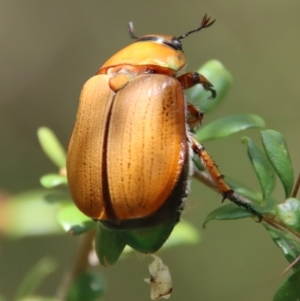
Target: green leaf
{"points": [[221, 79], [38, 298], [89, 286], [288, 245], [233, 211], [227, 212], [52, 147], [290, 289], [244, 191], [31, 213], [198, 163], [277, 152], [229, 125], [73, 221], [289, 213], [184, 233], [53, 180], [108, 245], [148, 240], [262, 167], [41, 269]]}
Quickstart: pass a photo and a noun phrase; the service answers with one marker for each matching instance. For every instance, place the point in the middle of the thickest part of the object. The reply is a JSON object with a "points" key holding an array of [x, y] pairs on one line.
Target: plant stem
{"points": [[81, 264]]}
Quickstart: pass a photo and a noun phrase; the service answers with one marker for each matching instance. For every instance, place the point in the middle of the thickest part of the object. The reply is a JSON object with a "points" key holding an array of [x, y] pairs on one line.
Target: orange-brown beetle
{"points": [[129, 157]]}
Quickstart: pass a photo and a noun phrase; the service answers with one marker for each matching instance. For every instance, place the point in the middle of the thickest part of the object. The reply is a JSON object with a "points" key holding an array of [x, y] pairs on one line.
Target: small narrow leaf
{"points": [[184, 233], [53, 180], [227, 212], [73, 221], [289, 246], [40, 270], [262, 167], [148, 240], [31, 213], [221, 79], [38, 298], [229, 125], [108, 245], [52, 147], [277, 152], [290, 289], [244, 191]]}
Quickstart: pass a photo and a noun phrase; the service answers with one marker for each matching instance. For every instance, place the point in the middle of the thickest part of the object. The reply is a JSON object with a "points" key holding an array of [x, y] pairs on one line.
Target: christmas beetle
{"points": [[129, 156]]}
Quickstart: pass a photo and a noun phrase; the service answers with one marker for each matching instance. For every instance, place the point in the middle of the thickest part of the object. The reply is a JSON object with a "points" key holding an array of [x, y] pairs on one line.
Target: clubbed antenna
{"points": [[131, 30], [204, 24]]}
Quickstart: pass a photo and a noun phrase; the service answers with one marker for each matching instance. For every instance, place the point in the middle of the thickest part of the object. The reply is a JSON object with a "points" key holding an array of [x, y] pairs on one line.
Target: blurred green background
{"points": [[50, 48]]}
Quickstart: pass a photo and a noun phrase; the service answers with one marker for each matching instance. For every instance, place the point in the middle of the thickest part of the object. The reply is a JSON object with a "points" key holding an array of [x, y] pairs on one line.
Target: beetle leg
{"points": [[190, 79], [212, 169], [218, 179], [194, 117]]}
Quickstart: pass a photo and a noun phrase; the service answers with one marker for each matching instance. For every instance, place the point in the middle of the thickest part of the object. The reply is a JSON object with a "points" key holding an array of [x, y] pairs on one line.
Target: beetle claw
{"points": [[209, 87], [213, 93], [233, 197]]}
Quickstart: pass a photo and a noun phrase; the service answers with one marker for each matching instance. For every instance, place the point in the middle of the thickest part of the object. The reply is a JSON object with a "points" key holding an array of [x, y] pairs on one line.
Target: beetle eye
{"points": [[176, 44]]}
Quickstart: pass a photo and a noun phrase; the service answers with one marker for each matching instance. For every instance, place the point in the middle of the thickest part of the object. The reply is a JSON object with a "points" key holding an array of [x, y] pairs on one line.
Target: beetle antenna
{"points": [[131, 30], [204, 24]]}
